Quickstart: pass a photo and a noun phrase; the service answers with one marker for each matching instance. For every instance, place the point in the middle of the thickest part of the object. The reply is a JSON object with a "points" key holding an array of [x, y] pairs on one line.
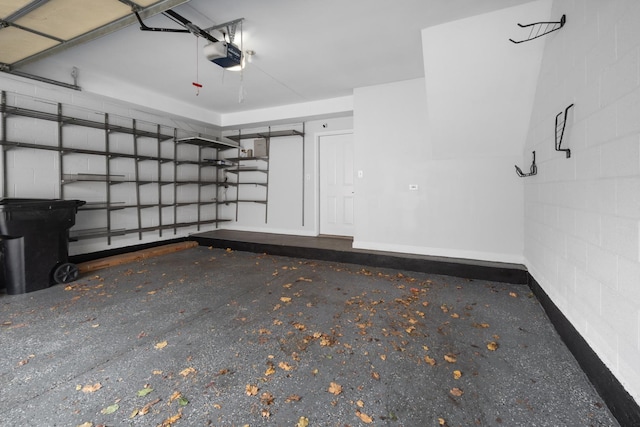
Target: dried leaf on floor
{"points": [[265, 413], [160, 345], [285, 366], [303, 422], [292, 398], [360, 404], [171, 420], [375, 376], [299, 326], [513, 294], [267, 398], [430, 360], [456, 392], [91, 388], [270, 370], [457, 374], [450, 357], [335, 388], [87, 424], [146, 408], [481, 325], [285, 299], [364, 417], [492, 346], [251, 389], [174, 396], [187, 371]]}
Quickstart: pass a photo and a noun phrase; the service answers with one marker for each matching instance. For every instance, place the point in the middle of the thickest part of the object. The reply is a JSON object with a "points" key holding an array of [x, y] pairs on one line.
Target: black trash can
{"points": [[34, 243]]}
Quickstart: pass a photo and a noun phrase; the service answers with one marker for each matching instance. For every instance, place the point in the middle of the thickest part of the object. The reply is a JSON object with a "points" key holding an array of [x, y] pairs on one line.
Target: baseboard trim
{"points": [[623, 407]]}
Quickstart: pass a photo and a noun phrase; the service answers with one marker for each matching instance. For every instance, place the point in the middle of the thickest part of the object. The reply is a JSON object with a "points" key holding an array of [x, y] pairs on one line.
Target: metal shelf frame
{"points": [[240, 168], [159, 135]]}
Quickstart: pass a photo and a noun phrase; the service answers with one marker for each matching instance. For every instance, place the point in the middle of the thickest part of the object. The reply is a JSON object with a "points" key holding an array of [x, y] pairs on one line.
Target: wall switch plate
{"points": [[360, 174], [413, 187]]}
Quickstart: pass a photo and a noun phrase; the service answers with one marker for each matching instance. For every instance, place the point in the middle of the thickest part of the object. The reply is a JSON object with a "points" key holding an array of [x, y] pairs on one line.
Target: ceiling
{"points": [[305, 50]]}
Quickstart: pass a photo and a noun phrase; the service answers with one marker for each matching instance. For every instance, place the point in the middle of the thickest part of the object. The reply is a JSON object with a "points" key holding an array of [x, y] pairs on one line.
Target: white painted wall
{"points": [[456, 134], [582, 214]]}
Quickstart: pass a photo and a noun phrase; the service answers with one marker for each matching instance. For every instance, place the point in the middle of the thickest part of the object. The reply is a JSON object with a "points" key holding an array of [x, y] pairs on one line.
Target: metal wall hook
{"points": [[539, 29], [560, 126], [533, 169]]}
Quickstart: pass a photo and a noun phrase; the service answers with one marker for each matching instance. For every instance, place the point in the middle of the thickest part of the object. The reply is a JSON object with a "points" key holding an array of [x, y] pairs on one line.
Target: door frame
{"points": [[316, 148]]}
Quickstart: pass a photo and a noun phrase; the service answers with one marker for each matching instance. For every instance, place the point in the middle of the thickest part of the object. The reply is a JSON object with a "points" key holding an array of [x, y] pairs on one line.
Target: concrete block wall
{"points": [[582, 214], [34, 173]]}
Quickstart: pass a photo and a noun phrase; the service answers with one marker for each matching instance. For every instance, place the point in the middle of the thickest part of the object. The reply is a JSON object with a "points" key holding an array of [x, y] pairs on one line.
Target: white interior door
{"points": [[336, 184]]}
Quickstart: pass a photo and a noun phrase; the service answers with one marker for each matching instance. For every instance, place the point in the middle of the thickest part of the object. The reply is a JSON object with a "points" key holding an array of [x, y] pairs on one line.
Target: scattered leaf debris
{"points": [[335, 388], [364, 417]]}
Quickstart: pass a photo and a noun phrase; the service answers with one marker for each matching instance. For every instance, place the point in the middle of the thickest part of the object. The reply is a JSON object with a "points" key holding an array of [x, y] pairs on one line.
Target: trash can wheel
{"points": [[65, 273]]}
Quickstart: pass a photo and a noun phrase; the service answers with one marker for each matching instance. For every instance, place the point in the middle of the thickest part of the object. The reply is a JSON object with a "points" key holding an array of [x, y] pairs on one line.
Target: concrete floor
{"points": [[223, 338]]}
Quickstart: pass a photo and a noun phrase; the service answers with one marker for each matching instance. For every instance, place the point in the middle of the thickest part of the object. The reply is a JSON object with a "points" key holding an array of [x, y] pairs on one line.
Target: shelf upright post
{"points": [[238, 174], [159, 151], [175, 179], [266, 196], [217, 192], [60, 153], [107, 158], [3, 106], [137, 176], [303, 170], [199, 205]]}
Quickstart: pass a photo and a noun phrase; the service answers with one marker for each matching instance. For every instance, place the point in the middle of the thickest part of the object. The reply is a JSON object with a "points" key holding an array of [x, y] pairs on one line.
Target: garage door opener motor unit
{"points": [[224, 54]]}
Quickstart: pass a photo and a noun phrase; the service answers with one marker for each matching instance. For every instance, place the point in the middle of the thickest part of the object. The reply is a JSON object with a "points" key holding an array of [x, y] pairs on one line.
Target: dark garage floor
{"points": [[227, 338]]}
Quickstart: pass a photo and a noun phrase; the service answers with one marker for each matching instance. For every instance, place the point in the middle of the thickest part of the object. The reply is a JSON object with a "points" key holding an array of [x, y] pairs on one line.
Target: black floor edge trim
{"points": [[620, 403], [456, 269], [76, 259]]}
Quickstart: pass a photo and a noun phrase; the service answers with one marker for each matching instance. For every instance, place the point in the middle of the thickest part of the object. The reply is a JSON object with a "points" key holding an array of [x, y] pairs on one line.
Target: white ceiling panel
{"points": [[7, 7], [66, 19], [145, 3], [29, 43]]}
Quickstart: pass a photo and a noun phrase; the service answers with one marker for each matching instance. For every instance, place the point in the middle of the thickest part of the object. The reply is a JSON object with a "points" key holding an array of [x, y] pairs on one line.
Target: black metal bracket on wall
{"points": [[561, 124], [533, 169], [539, 29]]}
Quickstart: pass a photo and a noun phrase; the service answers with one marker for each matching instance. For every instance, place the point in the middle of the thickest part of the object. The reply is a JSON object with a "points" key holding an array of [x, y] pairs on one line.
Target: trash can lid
{"points": [[8, 204]]}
